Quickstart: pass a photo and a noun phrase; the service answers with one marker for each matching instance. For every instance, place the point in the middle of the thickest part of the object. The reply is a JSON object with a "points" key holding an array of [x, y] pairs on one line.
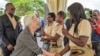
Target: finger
{"points": [[63, 26]]}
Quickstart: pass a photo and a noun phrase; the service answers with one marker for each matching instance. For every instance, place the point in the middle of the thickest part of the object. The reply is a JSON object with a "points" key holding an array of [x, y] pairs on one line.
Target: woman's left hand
{"points": [[64, 31]]}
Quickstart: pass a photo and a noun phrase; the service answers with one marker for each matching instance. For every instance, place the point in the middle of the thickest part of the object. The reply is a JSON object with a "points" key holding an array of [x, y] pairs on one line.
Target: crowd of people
{"points": [[79, 35]]}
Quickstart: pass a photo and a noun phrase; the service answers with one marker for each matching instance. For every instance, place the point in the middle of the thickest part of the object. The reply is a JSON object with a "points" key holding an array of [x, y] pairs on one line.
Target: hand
{"points": [[64, 31], [42, 32], [48, 54], [35, 15], [57, 54], [43, 39], [10, 47]]}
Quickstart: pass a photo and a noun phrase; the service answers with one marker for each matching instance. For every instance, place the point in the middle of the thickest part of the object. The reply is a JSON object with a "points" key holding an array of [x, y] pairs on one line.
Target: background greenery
{"points": [[24, 7]]}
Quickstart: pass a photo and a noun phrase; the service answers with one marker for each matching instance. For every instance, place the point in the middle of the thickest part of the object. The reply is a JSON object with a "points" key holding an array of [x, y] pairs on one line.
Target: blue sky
{"points": [[92, 4]]}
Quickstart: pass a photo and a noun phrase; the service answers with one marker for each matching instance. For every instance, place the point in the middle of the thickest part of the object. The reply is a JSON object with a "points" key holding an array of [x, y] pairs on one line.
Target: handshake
{"points": [[45, 53]]}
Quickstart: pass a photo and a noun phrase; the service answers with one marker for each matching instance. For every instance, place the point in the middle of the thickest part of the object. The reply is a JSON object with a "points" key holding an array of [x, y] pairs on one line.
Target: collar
{"points": [[28, 31]]}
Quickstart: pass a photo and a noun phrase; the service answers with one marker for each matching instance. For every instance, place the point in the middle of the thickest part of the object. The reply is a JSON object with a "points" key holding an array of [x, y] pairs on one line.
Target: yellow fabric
{"points": [[56, 50], [84, 29], [1, 52], [57, 5], [87, 51], [62, 5], [57, 30], [12, 20], [48, 28], [52, 4]]}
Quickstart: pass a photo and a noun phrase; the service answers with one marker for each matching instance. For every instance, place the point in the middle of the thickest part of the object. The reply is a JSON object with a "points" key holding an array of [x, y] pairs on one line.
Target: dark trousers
{"points": [[66, 41], [96, 47]]}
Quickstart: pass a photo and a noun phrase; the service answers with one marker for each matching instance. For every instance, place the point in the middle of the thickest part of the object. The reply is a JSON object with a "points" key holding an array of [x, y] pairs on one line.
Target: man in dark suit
{"points": [[9, 29]]}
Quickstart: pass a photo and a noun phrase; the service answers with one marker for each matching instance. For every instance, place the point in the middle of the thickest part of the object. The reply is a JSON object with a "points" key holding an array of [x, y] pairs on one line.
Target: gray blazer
{"points": [[26, 45]]}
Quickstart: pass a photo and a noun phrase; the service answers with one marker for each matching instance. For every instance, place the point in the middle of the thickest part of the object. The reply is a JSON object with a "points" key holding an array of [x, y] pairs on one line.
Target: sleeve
{"points": [[84, 28], [31, 44], [5, 42], [59, 30]]}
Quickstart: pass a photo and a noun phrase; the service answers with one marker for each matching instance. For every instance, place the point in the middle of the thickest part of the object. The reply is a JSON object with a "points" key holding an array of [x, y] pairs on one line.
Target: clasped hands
{"points": [[51, 54]]}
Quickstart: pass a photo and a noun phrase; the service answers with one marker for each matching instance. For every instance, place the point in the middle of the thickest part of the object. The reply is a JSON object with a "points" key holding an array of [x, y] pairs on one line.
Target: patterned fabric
{"points": [[84, 29]]}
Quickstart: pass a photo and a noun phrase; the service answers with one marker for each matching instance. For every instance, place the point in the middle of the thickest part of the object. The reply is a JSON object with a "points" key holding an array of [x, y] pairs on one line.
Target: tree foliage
{"points": [[1, 11], [87, 14], [24, 7]]}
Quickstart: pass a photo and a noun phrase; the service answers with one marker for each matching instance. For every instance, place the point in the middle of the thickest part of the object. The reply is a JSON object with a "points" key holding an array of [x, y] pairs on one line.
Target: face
{"points": [[58, 18], [35, 23], [95, 15], [11, 10], [49, 19]]}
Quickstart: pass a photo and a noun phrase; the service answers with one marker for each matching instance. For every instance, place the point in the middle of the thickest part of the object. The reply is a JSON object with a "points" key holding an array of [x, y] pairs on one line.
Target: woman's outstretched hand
{"points": [[64, 30]]}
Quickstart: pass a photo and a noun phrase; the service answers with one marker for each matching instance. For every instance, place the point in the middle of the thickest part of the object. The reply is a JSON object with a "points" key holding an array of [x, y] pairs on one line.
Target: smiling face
{"points": [[59, 18], [95, 15], [49, 19]]}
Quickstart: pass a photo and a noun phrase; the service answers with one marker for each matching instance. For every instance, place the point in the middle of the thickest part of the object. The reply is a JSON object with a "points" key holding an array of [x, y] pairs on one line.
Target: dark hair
{"points": [[78, 13], [96, 11], [90, 12], [52, 15], [8, 4], [62, 14]]}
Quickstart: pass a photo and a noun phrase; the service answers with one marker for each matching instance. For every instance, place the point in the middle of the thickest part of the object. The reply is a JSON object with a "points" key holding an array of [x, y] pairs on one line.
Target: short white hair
{"points": [[28, 19]]}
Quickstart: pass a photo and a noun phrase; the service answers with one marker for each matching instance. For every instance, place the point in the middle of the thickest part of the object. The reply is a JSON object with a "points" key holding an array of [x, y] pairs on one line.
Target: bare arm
{"points": [[66, 49], [84, 32], [81, 41], [54, 38]]}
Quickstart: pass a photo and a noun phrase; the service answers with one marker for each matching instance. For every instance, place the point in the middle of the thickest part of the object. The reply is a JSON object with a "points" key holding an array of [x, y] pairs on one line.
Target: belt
{"points": [[55, 45], [77, 52]]}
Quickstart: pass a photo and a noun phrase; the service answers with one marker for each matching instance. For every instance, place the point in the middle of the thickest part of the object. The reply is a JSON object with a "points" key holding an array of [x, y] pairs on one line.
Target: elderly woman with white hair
{"points": [[26, 44]]}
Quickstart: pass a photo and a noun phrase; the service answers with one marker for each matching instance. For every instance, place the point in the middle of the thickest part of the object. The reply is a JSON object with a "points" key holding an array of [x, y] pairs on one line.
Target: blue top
{"points": [[95, 36]]}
